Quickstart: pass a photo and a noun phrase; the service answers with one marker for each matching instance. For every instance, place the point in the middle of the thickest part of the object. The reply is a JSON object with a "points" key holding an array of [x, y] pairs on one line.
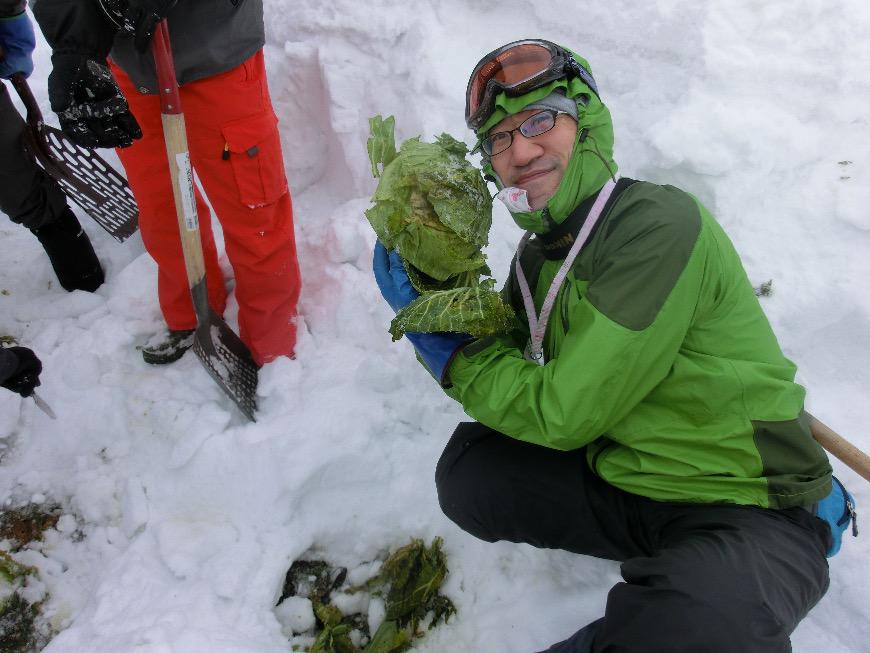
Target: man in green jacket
{"points": [[651, 416]]}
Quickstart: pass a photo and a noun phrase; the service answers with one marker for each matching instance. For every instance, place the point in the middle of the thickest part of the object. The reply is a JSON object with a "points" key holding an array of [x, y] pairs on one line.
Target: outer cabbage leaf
{"points": [[477, 311], [433, 248], [382, 143], [453, 187]]}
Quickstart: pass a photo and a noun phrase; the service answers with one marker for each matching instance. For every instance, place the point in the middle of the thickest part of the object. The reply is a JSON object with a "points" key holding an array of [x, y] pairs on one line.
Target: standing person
{"points": [[233, 140], [648, 414], [27, 194]]}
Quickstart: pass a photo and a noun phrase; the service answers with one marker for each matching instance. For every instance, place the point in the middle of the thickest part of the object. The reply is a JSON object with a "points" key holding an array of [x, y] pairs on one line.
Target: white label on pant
{"points": [[185, 184]]}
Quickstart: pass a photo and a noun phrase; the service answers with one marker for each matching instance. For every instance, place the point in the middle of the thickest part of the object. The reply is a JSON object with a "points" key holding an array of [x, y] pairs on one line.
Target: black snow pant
{"points": [[705, 578], [27, 194]]}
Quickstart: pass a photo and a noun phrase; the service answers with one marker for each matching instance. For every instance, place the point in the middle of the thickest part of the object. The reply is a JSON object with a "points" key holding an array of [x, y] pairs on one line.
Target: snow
{"points": [[181, 518]]}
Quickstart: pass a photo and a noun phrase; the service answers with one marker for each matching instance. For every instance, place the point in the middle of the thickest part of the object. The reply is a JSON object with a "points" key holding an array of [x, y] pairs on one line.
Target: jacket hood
{"points": [[591, 163]]}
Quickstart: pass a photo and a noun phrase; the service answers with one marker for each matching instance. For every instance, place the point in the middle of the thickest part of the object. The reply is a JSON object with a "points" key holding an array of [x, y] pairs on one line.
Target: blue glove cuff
{"points": [[18, 41], [838, 510], [437, 350]]}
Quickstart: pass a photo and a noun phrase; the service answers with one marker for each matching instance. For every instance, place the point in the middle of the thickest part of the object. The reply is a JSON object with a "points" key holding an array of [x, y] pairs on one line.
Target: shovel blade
{"points": [[87, 179], [228, 361]]}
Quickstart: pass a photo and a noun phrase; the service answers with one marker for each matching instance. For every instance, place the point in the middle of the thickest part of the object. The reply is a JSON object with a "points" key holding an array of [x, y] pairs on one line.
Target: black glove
{"points": [[92, 110], [139, 17], [26, 375]]}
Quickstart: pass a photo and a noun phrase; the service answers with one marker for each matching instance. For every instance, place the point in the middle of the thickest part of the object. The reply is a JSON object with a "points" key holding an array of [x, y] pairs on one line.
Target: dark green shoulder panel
{"points": [[639, 253]]}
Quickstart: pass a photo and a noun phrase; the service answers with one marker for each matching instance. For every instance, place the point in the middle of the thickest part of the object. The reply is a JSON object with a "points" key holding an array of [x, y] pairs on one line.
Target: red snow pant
{"points": [[236, 153]]}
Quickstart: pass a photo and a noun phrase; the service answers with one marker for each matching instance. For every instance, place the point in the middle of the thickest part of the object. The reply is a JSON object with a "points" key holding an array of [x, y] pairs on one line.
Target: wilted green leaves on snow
{"points": [[409, 582], [410, 579], [434, 208], [18, 617]]}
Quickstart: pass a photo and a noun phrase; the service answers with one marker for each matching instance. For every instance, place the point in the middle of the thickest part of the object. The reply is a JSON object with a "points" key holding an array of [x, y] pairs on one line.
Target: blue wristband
{"points": [[438, 349]]}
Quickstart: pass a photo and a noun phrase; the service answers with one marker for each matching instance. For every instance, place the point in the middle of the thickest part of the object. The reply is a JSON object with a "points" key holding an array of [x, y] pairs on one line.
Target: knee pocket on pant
{"points": [[253, 148]]}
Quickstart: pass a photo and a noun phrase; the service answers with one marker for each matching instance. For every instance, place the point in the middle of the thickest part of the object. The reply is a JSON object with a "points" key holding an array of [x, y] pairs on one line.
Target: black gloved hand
{"points": [[139, 17], [26, 375], [92, 110]]}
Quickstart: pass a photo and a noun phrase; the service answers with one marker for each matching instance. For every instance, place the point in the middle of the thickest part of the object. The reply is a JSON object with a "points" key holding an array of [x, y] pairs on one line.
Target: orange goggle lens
{"points": [[509, 68]]}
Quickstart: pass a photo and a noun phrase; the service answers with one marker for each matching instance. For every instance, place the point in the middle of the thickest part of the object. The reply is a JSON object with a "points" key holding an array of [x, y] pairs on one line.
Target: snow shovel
{"points": [[84, 176], [840, 447], [222, 352]]}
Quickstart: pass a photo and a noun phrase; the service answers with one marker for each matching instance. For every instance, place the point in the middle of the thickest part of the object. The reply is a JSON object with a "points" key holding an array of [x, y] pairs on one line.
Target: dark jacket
{"points": [[11, 7], [208, 37]]}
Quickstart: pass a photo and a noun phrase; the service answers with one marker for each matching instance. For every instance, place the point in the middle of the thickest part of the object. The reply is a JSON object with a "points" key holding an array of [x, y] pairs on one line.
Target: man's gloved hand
{"points": [[92, 110], [16, 42], [392, 278], [140, 17], [25, 376], [435, 349]]}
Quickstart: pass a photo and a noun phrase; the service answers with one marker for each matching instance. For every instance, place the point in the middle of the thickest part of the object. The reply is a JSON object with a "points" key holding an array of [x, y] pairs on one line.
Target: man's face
{"points": [[535, 164]]}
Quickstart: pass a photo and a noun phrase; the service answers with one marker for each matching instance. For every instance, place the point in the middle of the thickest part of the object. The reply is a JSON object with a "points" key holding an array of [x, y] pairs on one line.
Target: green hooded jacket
{"points": [[659, 358]]}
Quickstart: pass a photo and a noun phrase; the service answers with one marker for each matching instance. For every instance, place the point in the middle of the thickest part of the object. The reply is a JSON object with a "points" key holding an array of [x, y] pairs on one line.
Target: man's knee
{"points": [[658, 615], [461, 480]]}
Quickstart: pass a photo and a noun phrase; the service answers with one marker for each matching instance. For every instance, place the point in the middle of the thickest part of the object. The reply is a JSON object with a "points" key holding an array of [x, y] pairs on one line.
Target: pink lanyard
{"points": [[538, 324]]}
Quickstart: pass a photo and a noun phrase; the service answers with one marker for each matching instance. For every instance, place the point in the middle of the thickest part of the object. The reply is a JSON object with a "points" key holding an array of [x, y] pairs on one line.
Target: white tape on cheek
{"points": [[516, 199]]}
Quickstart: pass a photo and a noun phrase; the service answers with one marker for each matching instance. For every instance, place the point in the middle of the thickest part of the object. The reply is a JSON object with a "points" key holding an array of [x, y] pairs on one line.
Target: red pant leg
{"points": [[236, 151], [148, 175]]}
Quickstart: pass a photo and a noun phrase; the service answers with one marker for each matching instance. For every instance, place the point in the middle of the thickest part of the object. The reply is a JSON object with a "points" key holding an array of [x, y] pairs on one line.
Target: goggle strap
{"points": [[571, 67], [583, 74]]}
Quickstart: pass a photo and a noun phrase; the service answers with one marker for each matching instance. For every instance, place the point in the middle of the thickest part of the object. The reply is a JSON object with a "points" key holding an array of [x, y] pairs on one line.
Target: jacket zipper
{"points": [[850, 513]]}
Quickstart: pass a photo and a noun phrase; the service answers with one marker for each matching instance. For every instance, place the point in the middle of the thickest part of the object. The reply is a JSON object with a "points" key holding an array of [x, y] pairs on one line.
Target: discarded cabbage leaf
{"points": [[434, 208], [409, 583]]}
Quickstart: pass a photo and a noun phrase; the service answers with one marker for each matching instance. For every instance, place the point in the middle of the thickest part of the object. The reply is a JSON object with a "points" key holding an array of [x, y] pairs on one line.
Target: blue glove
{"points": [[18, 42], [838, 509], [392, 278], [435, 349]]}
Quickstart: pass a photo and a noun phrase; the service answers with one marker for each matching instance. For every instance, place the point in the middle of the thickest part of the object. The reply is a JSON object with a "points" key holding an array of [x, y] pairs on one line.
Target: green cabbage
{"points": [[433, 206]]}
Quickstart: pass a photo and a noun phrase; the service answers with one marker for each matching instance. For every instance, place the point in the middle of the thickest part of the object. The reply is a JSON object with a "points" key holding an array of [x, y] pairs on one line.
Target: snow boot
{"points": [[71, 254], [168, 348]]}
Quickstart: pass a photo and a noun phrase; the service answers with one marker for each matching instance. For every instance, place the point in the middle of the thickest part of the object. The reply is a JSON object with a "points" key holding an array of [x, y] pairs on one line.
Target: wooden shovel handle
{"points": [[175, 135], [840, 447]]}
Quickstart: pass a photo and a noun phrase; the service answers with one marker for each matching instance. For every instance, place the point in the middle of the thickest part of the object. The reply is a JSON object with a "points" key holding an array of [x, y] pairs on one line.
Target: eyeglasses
{"points": [[535, 125], [516, 69]]}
